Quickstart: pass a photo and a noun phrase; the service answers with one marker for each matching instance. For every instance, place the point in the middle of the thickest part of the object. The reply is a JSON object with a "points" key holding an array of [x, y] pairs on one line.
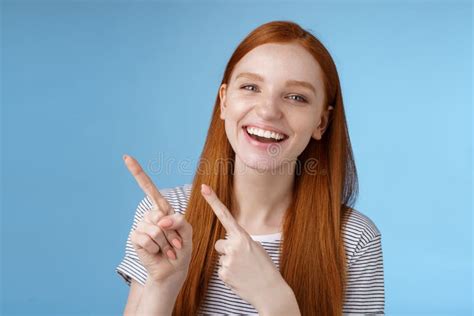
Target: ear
{"points": [[222, 95], [323, 123]]}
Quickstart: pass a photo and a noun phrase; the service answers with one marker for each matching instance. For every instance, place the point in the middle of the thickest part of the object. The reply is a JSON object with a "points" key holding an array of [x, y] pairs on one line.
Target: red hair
{"points": [[312, 259]]}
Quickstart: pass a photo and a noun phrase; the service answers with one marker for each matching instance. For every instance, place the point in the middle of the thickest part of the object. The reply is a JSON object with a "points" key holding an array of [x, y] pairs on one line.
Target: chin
{"points": [[261, 164]]}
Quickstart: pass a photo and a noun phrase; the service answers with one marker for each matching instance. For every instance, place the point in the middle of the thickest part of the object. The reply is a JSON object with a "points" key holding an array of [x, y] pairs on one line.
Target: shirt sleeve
{"points": [[365, 294], [131, 267]]}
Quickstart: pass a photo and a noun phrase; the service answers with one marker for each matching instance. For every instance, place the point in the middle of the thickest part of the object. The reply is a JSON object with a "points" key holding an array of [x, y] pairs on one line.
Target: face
{"points": [[273, 105]]}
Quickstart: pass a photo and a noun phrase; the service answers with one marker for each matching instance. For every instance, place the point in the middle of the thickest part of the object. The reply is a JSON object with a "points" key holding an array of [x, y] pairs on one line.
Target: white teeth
{"points": [[264, 133]]}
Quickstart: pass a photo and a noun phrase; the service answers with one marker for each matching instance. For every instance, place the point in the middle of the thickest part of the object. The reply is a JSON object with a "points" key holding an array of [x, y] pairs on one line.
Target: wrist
{"points": [[159, 297], [170, 286], [283, 302]]}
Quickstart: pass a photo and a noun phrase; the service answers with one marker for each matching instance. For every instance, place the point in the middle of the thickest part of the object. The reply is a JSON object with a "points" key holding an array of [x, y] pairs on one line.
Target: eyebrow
{"points": [[295, 83]]}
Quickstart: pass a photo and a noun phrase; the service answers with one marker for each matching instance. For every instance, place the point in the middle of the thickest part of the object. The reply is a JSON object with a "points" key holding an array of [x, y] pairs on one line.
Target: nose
{"points": [[269, 110]]}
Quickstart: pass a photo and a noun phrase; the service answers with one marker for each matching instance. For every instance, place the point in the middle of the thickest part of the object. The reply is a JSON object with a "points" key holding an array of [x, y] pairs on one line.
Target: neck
{"points": [[261, 198]]}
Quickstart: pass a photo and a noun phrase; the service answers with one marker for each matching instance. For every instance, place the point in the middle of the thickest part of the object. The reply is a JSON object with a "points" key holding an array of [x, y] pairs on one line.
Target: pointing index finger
{"points": [[221, 211], [147, 185]]}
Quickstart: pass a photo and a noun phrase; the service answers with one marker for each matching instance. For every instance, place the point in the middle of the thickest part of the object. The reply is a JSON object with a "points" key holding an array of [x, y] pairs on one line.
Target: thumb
{"points": [[177, 222]]}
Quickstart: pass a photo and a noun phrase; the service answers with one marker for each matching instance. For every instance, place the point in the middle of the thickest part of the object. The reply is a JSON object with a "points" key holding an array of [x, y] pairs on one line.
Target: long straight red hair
{"points": [[312, 259]]}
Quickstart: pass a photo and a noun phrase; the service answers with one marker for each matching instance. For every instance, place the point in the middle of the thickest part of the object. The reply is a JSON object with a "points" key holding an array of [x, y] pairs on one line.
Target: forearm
{"points": [[282, 303], [157, 300]]}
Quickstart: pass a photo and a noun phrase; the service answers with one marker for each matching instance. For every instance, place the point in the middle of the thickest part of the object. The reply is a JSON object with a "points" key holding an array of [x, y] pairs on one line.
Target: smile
{"points": [[258, 136]]}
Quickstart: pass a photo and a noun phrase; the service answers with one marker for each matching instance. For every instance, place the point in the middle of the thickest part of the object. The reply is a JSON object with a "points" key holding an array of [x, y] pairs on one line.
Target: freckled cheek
{"points": [[238, 108], [242, 99], [302, 126]]}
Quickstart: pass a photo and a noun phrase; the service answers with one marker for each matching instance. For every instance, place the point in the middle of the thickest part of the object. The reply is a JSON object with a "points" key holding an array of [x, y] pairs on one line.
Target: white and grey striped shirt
{"points": [[365, 284]]}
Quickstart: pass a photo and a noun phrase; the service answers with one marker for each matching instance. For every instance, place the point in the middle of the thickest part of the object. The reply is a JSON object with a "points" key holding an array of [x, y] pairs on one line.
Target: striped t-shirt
{"points": [[365, 280]]}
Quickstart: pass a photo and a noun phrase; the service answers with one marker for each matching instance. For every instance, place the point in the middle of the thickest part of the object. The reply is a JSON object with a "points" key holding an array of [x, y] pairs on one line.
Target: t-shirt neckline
{"points": [[267, 237]]}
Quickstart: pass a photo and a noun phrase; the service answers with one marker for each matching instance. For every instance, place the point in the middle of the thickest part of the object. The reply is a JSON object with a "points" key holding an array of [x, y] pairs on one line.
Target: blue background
{"points": [[84, 82]]}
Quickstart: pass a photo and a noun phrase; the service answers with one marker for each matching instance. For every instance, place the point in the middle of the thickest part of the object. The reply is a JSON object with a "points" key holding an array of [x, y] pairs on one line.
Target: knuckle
{"points": [[170, 234], [133, 237], [140, 226], [155, 232], [176, 219], [156, 217], [165, 247], [148, 243], [166, 208], [173, 236], [151, 216], [153, 249], [147, 214], [181, 221]]}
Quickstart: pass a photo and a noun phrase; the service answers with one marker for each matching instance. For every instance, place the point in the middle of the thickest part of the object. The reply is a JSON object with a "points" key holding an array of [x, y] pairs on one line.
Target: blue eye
{"points": [[250, 85], [298, 98], [301, 99]]}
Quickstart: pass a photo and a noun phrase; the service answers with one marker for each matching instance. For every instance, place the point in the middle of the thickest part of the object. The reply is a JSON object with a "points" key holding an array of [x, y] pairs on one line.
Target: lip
{"points": [[258, 144], [265, 127]]}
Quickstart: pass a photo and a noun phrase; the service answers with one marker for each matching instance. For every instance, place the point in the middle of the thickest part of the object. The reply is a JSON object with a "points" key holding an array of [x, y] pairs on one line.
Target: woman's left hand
{"points": [[245, 265]]}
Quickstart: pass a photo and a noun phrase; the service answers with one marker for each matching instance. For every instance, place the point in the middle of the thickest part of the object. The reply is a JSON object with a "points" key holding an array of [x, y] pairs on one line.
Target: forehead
{"points": [[276, 61]]}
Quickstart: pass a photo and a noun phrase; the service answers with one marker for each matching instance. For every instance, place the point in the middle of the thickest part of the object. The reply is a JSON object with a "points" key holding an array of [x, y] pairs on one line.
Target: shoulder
{"points": [[177, 197], [365, 292], [355, 222], [358, 231]]}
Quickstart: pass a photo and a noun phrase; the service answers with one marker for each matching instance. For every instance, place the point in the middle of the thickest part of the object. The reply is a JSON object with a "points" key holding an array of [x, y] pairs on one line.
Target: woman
{"points": [[266, 226]]}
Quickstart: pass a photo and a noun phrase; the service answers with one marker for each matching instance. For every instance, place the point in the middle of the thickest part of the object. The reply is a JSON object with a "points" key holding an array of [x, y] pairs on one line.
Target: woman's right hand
{"points": [[165, 260]]}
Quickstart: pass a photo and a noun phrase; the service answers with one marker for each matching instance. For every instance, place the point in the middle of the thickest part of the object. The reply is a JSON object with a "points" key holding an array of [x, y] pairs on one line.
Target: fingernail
{"points": [[176, 243], [171, 254], [165, 222], [124, 157], [205, 189]]}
